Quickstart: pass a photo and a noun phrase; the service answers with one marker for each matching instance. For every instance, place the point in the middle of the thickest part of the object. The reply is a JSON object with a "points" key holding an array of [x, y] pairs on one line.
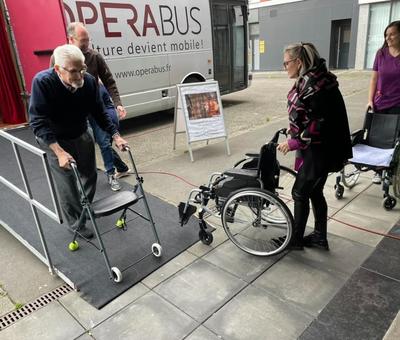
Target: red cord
{"points": [[169, 174], [364, 229], [289, 199]]}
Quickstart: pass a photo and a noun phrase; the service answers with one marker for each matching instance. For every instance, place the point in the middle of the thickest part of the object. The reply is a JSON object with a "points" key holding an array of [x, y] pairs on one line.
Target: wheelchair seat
{"points": [[111, 204], [375, 144], [375, 147], [371, 156], [266, 173]]}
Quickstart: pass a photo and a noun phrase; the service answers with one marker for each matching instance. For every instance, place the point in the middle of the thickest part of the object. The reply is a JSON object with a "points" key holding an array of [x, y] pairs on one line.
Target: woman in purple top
{"points": [[319, 133], [384, 89]]}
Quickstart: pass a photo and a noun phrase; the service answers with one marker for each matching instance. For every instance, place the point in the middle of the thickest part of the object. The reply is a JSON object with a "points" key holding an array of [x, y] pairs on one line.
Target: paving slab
{"points": [[6, 305], [22, 274], [338, 228], [255, 314], [169, 269], [370, 205], [51, 322], [344, 257], [202, 333], [150, 317], [85, 336], [363, 309], [243, 265], [308, 287], [89, 316], [200, 289], [393, 333], [385, 259], [200, 249]]}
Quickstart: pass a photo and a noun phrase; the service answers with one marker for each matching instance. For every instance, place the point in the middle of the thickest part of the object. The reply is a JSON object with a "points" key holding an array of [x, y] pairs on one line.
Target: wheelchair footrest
{"points": [[185, 215]]}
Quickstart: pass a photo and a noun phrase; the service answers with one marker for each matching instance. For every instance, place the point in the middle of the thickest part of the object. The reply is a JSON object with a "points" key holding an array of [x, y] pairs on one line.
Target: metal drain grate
{"points": [[29, 308]]}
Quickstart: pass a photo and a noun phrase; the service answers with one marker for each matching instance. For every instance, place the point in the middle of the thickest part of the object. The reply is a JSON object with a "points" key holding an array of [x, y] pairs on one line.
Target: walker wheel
{"points": [[206, 237], [120, 223], [156, 249], [389, 202], [339, 191], [116, 274], [73, 246]]}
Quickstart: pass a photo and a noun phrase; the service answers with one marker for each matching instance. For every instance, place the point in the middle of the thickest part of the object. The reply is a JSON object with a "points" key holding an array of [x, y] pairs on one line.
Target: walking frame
{"points": [[119, 202]]}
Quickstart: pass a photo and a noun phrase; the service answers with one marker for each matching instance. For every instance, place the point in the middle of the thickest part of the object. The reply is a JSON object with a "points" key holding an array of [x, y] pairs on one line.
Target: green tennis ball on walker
{"points": [[73, 246]]}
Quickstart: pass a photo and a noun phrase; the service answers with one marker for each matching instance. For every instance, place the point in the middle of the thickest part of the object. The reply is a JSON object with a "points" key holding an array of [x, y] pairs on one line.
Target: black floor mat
{"points": [[127, 249]]}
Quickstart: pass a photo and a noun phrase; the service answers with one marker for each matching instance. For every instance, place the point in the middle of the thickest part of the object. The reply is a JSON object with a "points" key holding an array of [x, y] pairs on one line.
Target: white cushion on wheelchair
{"points": [[111, 204], [368, 155]]}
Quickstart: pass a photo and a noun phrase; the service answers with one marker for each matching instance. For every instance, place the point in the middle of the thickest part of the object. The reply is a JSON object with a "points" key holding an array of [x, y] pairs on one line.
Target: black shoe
{"points": [[84, 232], [316, 240]]}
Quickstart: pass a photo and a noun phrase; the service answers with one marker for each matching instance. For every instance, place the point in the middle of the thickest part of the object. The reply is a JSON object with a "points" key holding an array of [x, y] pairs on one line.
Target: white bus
{"points": [[152, 46]]}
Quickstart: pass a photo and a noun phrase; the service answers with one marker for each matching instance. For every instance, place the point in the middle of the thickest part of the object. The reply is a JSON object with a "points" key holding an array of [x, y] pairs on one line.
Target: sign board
{"points": [[199, 113]]}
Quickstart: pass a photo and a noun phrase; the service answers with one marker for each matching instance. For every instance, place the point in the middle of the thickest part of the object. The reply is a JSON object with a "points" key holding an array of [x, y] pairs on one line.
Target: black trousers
{"points": [[304, 190]]}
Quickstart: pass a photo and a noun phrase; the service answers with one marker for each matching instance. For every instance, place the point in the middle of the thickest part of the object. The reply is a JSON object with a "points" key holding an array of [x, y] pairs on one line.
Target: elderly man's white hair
{"points": [[67, 52]]}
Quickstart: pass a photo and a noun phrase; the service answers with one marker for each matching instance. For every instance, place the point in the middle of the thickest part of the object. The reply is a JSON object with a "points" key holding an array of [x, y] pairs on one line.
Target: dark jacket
{"points": [[98, 68], [318, 122], [56, 113]]}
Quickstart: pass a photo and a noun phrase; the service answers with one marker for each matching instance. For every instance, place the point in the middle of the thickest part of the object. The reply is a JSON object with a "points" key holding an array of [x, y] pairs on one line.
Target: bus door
{"points": [[229, 22]]}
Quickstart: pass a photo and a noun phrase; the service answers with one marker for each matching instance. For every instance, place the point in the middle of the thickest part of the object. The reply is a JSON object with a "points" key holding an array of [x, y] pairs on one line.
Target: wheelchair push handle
{"points": [[275, 138]]}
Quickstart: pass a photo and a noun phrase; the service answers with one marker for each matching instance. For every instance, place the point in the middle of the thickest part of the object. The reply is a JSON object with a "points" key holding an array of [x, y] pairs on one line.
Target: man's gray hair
{"points": [[67, 52], [71, 28]]}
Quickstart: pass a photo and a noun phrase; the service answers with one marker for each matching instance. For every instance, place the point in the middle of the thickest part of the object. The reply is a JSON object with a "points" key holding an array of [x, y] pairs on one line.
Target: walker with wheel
{"points": [[120, 202]]}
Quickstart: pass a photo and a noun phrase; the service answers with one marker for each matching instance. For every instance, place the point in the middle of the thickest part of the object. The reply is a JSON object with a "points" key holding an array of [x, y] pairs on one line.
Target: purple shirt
{"points": [[387, 94]]}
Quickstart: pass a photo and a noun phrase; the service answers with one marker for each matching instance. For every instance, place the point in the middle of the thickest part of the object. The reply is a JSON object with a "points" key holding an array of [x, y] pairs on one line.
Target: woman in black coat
{"points": [[319, 133]]}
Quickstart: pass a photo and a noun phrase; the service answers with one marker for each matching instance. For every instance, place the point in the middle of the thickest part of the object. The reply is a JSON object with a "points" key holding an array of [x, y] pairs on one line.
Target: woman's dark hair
{"points": [[392, 24]]}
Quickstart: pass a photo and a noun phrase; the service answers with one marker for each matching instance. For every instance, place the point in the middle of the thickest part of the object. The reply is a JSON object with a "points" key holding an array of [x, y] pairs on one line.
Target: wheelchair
{"points": [[120, 202], [250, 199], [375, 147]]}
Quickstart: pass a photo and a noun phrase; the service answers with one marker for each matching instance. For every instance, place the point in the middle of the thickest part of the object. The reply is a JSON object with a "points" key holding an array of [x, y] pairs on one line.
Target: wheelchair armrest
{"points": [[357, 136], [249, 157], [252, 155]]}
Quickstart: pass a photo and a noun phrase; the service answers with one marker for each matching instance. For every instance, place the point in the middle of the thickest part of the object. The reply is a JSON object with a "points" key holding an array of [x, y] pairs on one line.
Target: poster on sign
{"points": [[199, 106]]}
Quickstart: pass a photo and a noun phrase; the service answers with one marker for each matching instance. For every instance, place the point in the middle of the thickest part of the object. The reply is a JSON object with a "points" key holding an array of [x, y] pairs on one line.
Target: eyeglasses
{"points": [[286, 63], [82, 71]]}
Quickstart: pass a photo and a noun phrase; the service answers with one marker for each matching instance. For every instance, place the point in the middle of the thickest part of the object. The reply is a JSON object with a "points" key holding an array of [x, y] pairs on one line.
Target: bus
{"points": [[150, 47]]}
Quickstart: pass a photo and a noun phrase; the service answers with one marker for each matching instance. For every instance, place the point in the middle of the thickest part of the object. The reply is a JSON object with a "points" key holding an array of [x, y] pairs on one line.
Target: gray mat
{"points": [[86, 267]]}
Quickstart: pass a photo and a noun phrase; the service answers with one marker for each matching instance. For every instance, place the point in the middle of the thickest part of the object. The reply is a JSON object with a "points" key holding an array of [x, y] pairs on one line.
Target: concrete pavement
{"points": [[217, 291]]}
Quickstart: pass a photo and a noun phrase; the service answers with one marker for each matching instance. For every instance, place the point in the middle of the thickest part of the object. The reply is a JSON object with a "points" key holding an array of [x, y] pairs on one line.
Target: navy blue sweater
{"points": [[57, 113]]}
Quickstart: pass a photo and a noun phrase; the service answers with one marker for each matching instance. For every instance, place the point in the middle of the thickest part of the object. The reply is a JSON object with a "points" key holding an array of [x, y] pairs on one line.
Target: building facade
{"points": [[347, 33], [374, 16]]}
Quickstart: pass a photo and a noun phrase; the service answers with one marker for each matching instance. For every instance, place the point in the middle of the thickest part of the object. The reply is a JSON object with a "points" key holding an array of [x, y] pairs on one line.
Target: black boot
{"points": [[316, 239]]}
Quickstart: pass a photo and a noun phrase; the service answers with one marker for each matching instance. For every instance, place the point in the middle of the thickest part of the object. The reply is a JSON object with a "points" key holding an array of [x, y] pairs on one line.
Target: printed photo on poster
{"points": [[202, 109], [202, 105]]}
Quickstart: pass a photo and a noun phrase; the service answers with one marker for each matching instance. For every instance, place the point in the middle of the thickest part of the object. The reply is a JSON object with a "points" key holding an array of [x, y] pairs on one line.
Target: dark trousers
{"points": [[304, 190], [82, 149]]}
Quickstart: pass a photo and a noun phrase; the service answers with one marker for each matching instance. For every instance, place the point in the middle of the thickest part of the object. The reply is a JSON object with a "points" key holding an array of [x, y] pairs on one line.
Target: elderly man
{"points": [[97, 67], [62, 99]]}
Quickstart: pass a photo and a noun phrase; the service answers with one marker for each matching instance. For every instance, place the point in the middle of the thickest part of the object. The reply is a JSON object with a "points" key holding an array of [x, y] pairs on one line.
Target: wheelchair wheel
{"points": [[389, 202], [396, 177], [257, 221], [287, 178], [349, 175]]}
